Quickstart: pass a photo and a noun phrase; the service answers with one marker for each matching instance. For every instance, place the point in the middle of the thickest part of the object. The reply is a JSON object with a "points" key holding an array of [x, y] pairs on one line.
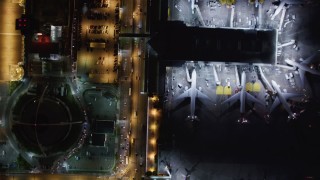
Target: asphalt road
{"points": [[136, 103], [7, 116]]}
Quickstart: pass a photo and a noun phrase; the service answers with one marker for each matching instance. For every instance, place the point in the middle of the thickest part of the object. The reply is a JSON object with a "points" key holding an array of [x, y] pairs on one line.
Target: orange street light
{"points": [[153, 141], [153, 127], [154, 112], [151, 156]]}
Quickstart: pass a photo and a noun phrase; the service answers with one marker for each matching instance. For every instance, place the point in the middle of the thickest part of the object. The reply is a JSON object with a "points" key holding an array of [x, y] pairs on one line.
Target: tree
{"points": [[231, 2], [223, 2], [148, 173], [22, 163], [253, 1], [227, 2]]}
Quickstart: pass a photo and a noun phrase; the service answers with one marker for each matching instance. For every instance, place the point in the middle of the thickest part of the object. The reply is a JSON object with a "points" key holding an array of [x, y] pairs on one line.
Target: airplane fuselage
{"points": [[193, 79], [281, 98], [243, 93], [193, 92], [278, 10], [243, 96], [192, 6], [302, 67], [282, 4]]}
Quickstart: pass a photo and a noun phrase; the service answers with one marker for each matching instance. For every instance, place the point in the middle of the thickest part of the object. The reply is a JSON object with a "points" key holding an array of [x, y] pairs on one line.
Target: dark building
{"points": [[177, 42], [98, 139], [49, 12], [100, 130], [103, 126], [44, 48], [50, 36]]}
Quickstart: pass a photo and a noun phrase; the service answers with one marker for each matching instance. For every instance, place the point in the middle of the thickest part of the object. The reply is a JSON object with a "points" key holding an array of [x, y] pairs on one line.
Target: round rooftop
{"points": [[45, 125]]}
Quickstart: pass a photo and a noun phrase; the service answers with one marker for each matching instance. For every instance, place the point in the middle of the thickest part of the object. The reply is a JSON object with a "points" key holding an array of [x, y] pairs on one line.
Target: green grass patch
{"points": [[13, 86], [23, 164], [70, 101], [21, 102]]}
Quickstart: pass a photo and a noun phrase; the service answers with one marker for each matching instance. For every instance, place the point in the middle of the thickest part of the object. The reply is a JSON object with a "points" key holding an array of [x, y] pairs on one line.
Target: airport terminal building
{"points": [[176, 43]]}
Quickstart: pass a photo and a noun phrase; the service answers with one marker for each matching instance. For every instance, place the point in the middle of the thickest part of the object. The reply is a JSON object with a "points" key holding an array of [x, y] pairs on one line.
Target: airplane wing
{"points": [[275, 104], [286, 96], [250, 98], [232, 98], [291, 95], [183, 95], [188, 75], [315, 72], [310, 59], [292, 2], [201, 96]]}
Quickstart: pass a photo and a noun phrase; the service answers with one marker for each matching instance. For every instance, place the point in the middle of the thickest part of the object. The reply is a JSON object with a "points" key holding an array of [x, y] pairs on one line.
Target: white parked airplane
{"points": [[282, 98], [242, 95], [192, 92], [282, 4], [304, 66], [192, 5]]}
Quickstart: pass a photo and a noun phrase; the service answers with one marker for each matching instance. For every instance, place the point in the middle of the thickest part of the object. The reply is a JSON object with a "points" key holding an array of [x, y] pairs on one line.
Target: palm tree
{"points": [[223, 2], [228, 2], [253, 1]]}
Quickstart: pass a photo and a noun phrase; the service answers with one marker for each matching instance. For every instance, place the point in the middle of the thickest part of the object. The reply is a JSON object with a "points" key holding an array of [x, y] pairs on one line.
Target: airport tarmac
{"points": [[218, 137]]}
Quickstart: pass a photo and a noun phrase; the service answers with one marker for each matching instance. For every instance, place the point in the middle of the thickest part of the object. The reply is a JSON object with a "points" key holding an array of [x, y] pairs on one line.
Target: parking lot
{"points": [[93, 158], [97, 58], [102, 103]]}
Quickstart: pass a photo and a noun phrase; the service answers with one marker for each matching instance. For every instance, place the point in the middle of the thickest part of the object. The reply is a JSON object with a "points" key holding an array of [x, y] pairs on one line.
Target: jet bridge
{"points": [[216, 79], [200, 15]]}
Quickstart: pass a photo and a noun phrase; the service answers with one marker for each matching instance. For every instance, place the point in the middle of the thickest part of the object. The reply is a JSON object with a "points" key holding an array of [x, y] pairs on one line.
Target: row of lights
{"points": [[153, 128]]}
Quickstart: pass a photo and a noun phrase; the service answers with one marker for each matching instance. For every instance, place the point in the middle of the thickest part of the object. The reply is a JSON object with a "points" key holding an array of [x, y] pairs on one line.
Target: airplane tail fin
{"points": [[192, 118]]}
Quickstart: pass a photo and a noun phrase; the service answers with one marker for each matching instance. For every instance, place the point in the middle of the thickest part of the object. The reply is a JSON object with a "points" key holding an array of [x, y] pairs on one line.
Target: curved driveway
{"points": [[7, 119]]}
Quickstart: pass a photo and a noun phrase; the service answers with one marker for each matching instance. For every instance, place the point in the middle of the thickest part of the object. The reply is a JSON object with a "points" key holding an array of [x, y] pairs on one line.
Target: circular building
{"points": [[45, 125]]}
